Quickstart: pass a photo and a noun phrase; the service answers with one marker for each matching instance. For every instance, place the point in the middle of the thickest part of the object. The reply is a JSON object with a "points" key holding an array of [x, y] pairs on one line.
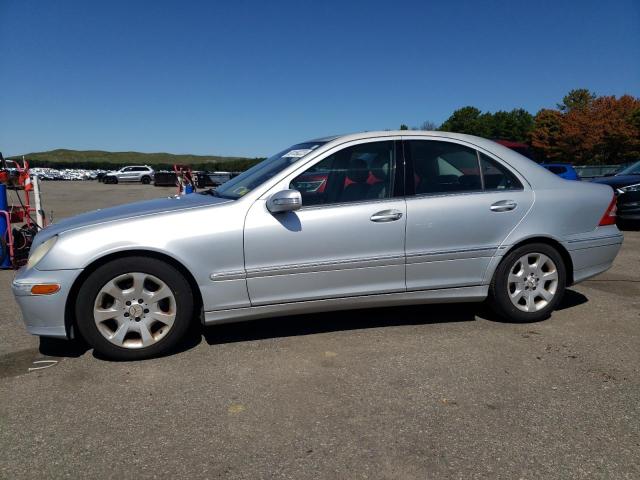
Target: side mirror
{"points": [[284, 201]]}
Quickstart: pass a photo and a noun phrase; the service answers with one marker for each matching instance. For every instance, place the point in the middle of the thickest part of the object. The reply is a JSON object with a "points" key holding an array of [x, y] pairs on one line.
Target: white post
{"points": [[36, 196]]}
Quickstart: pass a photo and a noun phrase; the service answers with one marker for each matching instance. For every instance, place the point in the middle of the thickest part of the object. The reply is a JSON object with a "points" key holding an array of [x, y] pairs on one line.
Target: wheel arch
{"points": [[69, 315], [564, 253]]}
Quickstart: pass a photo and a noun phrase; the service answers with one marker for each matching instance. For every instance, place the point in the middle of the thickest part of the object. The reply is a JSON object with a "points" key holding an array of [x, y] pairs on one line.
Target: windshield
{"points": [[633, 169], [260, 173]]}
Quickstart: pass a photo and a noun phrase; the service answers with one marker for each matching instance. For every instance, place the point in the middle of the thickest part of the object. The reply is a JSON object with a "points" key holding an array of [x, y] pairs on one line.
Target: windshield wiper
{"points": [[210, 191]]}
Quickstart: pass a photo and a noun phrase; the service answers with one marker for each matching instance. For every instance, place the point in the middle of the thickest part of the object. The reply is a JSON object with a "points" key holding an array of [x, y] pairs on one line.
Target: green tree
{"points": [[404, 127], [577, 99], [468, 120], [515, 125]]}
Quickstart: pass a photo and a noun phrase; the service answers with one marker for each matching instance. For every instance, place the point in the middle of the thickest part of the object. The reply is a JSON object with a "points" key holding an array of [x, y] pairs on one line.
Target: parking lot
{"points": [[413, 392]]}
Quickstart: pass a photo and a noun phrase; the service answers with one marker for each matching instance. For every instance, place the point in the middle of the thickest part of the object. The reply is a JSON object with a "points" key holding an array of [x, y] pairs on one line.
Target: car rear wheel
{"points": [[528, 284], [146, 180], [134, 308]]}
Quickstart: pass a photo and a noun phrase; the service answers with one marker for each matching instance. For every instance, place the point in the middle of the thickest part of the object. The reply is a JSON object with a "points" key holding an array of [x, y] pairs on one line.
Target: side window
{"points": [[359, 173], [442, 167], [127, 169], [497, 177]]}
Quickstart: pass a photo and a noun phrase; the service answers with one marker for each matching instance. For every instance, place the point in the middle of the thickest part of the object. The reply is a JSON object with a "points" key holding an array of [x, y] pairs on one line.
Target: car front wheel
{"points": [[528, 284], [134, 308]]}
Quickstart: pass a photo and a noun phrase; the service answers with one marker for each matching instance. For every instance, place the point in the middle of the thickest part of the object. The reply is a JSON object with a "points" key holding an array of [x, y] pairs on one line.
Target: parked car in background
{"points": [[626, 184], [142, 174], [364, 220], [563, 170]]}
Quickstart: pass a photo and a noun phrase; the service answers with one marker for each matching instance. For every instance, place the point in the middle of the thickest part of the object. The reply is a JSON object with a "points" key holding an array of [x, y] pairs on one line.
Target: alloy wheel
{"points": [[134, 310], [532, 282]]}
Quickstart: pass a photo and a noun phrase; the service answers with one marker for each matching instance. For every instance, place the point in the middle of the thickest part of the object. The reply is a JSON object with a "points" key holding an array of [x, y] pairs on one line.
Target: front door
{"points": [[461, 205], [346, 240]]}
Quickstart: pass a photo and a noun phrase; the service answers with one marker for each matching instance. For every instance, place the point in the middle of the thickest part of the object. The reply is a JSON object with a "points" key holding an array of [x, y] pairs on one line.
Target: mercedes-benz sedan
{"points": [[372, 219]]}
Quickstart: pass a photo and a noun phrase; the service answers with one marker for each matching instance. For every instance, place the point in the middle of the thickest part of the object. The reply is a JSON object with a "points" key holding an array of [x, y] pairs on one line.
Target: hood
{"points": [[617, 181], [129, 210]]}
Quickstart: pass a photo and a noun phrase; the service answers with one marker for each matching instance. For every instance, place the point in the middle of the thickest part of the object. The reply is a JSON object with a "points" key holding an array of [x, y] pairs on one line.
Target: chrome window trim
{"points": [[450, 194], [348, 204]]}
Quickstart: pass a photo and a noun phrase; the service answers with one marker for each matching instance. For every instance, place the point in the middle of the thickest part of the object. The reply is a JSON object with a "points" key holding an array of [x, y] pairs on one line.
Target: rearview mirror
{"points": [[284, 201]]}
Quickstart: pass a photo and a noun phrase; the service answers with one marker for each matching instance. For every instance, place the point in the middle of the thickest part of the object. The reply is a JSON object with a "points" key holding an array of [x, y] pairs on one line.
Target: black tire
{"points": [[146, 180], [499, 299], [90, 288]]}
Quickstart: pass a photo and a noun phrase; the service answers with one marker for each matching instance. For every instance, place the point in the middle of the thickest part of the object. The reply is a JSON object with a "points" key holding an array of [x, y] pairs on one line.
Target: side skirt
{"points": [[443, 295]]}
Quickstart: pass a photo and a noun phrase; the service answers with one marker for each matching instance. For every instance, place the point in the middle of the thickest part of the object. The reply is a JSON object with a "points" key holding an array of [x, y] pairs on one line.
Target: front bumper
{"points": [[629, 206], [44, 314]]}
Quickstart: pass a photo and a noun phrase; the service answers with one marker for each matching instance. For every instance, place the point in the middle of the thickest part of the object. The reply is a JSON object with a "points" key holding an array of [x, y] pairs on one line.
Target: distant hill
{"points": [[99, 159]]}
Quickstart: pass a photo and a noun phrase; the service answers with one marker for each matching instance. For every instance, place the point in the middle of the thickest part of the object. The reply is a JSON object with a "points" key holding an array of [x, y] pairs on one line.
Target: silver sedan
{"points": [[364, 220]]}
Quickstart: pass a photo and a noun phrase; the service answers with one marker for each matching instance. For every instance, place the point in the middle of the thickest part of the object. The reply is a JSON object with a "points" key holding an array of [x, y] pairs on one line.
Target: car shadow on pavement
{"points": [[571, 299], [315, 323], [310, 324], [56, 347]]}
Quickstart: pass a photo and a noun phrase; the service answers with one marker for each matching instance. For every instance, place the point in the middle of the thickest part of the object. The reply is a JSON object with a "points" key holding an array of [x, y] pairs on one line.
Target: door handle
{"points": [[386, 216], [503, 206]]}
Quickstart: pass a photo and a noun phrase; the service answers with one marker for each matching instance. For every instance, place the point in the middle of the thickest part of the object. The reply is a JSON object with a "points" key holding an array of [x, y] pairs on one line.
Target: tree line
{"points": [[583, 129]]}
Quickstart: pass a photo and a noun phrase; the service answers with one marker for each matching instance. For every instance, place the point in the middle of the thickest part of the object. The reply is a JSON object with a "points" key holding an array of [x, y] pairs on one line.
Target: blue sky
{"points": [[249, 78]]}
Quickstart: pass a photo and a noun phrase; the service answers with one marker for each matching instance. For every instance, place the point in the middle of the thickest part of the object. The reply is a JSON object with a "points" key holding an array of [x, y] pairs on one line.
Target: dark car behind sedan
{"points": [[626, 184]]}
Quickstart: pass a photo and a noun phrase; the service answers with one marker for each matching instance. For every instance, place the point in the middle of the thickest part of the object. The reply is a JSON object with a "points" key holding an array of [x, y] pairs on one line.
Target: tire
{"points": [[134, 308], [543, 283], [146, 180]]}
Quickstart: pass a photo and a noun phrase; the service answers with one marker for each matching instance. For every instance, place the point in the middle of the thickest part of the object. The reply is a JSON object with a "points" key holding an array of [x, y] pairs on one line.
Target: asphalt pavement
{"points": [[409, 393]]}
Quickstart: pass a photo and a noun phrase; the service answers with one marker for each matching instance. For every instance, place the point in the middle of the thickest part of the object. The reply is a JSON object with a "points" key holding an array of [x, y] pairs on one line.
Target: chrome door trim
{"points": [[232, 275], [433, 256], [353, 263]]}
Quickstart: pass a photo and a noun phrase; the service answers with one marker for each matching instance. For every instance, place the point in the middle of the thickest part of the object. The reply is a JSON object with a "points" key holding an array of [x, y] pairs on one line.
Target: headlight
{"points": [[630, 188], [38, 254]]}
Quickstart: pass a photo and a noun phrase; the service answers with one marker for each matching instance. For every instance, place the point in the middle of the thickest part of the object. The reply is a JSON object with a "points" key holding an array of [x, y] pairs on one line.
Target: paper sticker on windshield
{"points": [[241, 190], [297, 153]]}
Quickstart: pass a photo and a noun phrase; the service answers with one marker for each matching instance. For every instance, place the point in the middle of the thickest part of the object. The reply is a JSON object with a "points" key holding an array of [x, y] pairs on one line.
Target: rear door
{"points": [[461, 205]]}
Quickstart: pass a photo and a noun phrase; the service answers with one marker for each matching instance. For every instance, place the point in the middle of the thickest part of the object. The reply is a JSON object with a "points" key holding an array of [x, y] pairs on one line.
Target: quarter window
{"points": [[497, 177], [355, 174]]}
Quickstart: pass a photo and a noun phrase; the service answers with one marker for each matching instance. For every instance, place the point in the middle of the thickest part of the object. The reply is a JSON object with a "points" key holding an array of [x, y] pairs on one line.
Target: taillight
{"points": [[609, 217]]}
